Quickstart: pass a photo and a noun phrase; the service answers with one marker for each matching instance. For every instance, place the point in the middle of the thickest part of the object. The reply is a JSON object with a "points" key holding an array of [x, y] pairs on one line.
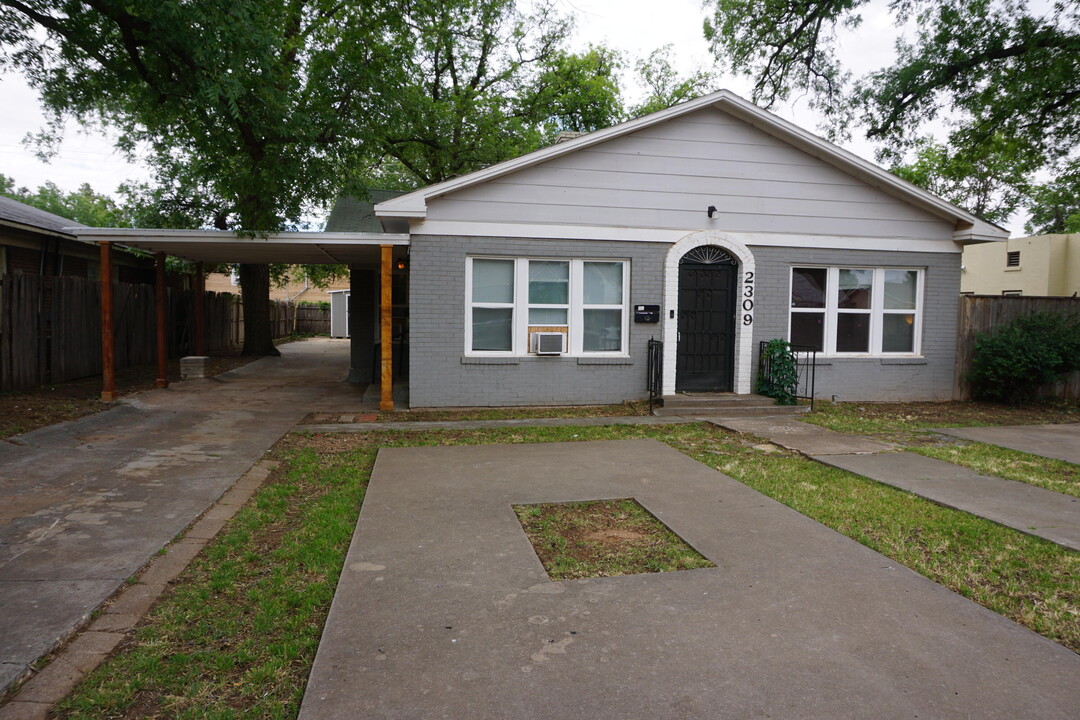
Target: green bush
{"points": [[1013, 361], [782, 382]]}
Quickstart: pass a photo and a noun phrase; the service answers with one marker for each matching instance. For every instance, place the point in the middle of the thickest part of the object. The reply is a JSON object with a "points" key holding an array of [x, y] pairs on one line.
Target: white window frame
{"points": [[576, 311], [877, 309]]}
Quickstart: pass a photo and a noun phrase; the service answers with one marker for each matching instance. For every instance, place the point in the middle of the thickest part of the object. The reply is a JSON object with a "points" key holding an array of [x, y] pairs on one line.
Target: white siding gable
{"points": [[666, 175]]}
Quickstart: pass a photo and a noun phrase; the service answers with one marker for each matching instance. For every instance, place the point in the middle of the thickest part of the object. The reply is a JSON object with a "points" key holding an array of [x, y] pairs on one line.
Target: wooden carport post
{"points": [[108, 365], [386, 401], [162, 338], [200, 310]]}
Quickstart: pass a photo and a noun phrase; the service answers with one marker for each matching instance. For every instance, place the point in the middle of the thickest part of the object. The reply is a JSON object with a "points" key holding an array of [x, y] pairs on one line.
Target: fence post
{"points": [[108, 362]]}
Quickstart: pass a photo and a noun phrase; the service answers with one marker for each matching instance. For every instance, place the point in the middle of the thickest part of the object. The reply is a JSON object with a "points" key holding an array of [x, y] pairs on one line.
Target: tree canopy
{"points": [[482, 82], [1055, 205], [990, 69], [663, 84], [992, 181], [257, 110], [84, 206]]}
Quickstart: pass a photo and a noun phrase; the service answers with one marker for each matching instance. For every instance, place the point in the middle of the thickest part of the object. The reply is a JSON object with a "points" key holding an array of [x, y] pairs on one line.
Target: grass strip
{"points": [[1056, 475], [907, 425], [236, 636], [604, 538], [901, 422]]}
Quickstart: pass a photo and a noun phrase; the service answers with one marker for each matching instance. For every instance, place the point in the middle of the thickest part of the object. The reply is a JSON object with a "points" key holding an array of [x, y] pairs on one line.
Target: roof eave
{"points": [[15, 225]]}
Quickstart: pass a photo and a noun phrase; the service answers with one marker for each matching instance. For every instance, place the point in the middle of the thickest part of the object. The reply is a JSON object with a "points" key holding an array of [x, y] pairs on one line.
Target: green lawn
{"points": [[908, 425], [236, 636]]}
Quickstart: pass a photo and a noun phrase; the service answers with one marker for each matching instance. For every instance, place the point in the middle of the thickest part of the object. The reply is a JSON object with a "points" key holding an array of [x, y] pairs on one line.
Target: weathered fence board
{"points": [[312, 320], [76, 329], [22, 337], [50, 328], [982, 313]]}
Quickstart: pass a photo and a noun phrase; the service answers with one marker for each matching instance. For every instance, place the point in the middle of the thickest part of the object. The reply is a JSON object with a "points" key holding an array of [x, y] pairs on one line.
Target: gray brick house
{"points": [[525, 279]]}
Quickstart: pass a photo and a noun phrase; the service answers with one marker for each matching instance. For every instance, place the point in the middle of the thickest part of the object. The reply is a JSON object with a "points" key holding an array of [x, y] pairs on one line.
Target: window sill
{"points": [[489, 360], [883, 359], [590, 360], [1014, 269], [517, 359]]}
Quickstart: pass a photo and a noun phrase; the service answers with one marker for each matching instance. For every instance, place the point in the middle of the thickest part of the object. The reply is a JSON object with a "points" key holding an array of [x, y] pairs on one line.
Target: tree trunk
{"points": [[255, 290]]}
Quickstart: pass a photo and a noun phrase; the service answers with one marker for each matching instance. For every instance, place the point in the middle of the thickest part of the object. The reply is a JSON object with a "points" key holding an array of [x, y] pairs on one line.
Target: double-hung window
{"points": [[856, 311], [510, 299]]}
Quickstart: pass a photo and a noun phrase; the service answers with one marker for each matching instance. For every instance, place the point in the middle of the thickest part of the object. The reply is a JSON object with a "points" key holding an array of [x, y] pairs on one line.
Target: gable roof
{"points": [[351, 214], [969, 228], [26, 217]]}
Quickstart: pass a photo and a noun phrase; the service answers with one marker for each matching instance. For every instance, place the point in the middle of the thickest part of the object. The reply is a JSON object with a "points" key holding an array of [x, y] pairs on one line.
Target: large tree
{"points": [[482, 82], [263, 107], [992, 181], [664, 86], [989, 68], [1055, 205], [82, 206]]}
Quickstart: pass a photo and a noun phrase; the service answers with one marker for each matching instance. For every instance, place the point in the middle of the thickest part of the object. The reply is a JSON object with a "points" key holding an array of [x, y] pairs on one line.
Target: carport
{"points": [[364, 253]]}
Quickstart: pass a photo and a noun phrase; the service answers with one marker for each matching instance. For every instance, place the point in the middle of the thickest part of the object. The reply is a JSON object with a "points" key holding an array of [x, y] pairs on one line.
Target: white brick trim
{"points": [[744, 334]]}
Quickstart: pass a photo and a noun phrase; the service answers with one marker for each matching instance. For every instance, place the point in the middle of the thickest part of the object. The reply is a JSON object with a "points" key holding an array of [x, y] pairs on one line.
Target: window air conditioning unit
{"points": [[549, 343]]}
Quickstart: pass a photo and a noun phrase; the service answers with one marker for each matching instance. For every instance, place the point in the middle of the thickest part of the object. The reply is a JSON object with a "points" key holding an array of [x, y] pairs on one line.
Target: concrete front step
{"points": [[725, 405]]}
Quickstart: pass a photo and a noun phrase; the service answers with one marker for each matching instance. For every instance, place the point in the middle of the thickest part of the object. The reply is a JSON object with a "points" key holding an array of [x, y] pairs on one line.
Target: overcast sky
{"points": [[636, 27]]}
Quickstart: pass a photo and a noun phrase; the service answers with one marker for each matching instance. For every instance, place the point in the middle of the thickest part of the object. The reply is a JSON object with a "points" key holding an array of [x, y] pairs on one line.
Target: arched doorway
{"points": [[708, 294]]}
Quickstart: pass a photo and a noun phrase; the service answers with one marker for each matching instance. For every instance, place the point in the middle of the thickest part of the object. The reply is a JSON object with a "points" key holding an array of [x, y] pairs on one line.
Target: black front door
{"points": [[705, 359]]}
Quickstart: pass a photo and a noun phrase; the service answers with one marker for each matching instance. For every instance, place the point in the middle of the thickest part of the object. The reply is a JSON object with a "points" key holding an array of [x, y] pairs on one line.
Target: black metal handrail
{"points": [[654, 371], [805, 364]]}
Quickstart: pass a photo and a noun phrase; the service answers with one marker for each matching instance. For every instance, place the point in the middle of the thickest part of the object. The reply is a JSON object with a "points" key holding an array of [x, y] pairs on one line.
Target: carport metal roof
{"points": [[217, 246]]}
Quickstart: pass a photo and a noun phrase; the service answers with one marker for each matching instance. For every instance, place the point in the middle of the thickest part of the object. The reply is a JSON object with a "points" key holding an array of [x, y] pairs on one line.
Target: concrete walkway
{"points": [[803, 437], [443, 609], [1059, 442], [85, 504], [1027, 508]]}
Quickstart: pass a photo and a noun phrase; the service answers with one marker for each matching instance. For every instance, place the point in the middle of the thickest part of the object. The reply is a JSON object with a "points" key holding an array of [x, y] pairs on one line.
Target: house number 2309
{"points": [[748, 298]]}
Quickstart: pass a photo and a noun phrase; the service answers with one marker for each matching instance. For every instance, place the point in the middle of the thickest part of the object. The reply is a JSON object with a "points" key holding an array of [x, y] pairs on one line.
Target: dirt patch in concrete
{"points": [[604, 538]]}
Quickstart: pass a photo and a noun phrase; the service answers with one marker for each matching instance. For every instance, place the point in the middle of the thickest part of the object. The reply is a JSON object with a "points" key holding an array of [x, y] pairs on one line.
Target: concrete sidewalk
{"points": [[85, 504], [803, 437], [443, 609], [1059, 442], [1027, 508]]}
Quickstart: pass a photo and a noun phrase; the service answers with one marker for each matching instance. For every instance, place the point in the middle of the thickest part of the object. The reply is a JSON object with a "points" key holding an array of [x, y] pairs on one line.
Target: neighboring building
{"points": [[348, 214], [1041, 265], [301, 291], [35, 242], [711, 226]]}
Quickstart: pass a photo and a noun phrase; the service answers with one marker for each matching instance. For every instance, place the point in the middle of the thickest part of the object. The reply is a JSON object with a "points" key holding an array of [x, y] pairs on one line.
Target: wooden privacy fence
{"points": [[982, 313], [50, 327]]}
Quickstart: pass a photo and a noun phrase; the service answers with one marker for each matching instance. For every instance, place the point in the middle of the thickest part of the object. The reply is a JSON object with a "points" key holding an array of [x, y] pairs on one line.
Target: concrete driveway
{"points": [[85, 504], [444, 611], [1059, 442]]}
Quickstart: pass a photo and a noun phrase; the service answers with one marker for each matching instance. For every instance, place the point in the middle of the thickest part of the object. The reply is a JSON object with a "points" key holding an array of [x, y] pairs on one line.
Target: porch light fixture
{"points": [[711, 210], [401, 264]]}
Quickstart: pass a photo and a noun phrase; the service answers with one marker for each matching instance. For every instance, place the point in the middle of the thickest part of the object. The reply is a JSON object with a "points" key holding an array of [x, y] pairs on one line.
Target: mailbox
{"points": [[646, 313]]}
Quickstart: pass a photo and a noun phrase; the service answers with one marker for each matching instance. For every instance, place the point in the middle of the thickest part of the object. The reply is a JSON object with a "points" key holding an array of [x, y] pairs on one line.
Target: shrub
{"points": [[782, 380], [1013, 361]]}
